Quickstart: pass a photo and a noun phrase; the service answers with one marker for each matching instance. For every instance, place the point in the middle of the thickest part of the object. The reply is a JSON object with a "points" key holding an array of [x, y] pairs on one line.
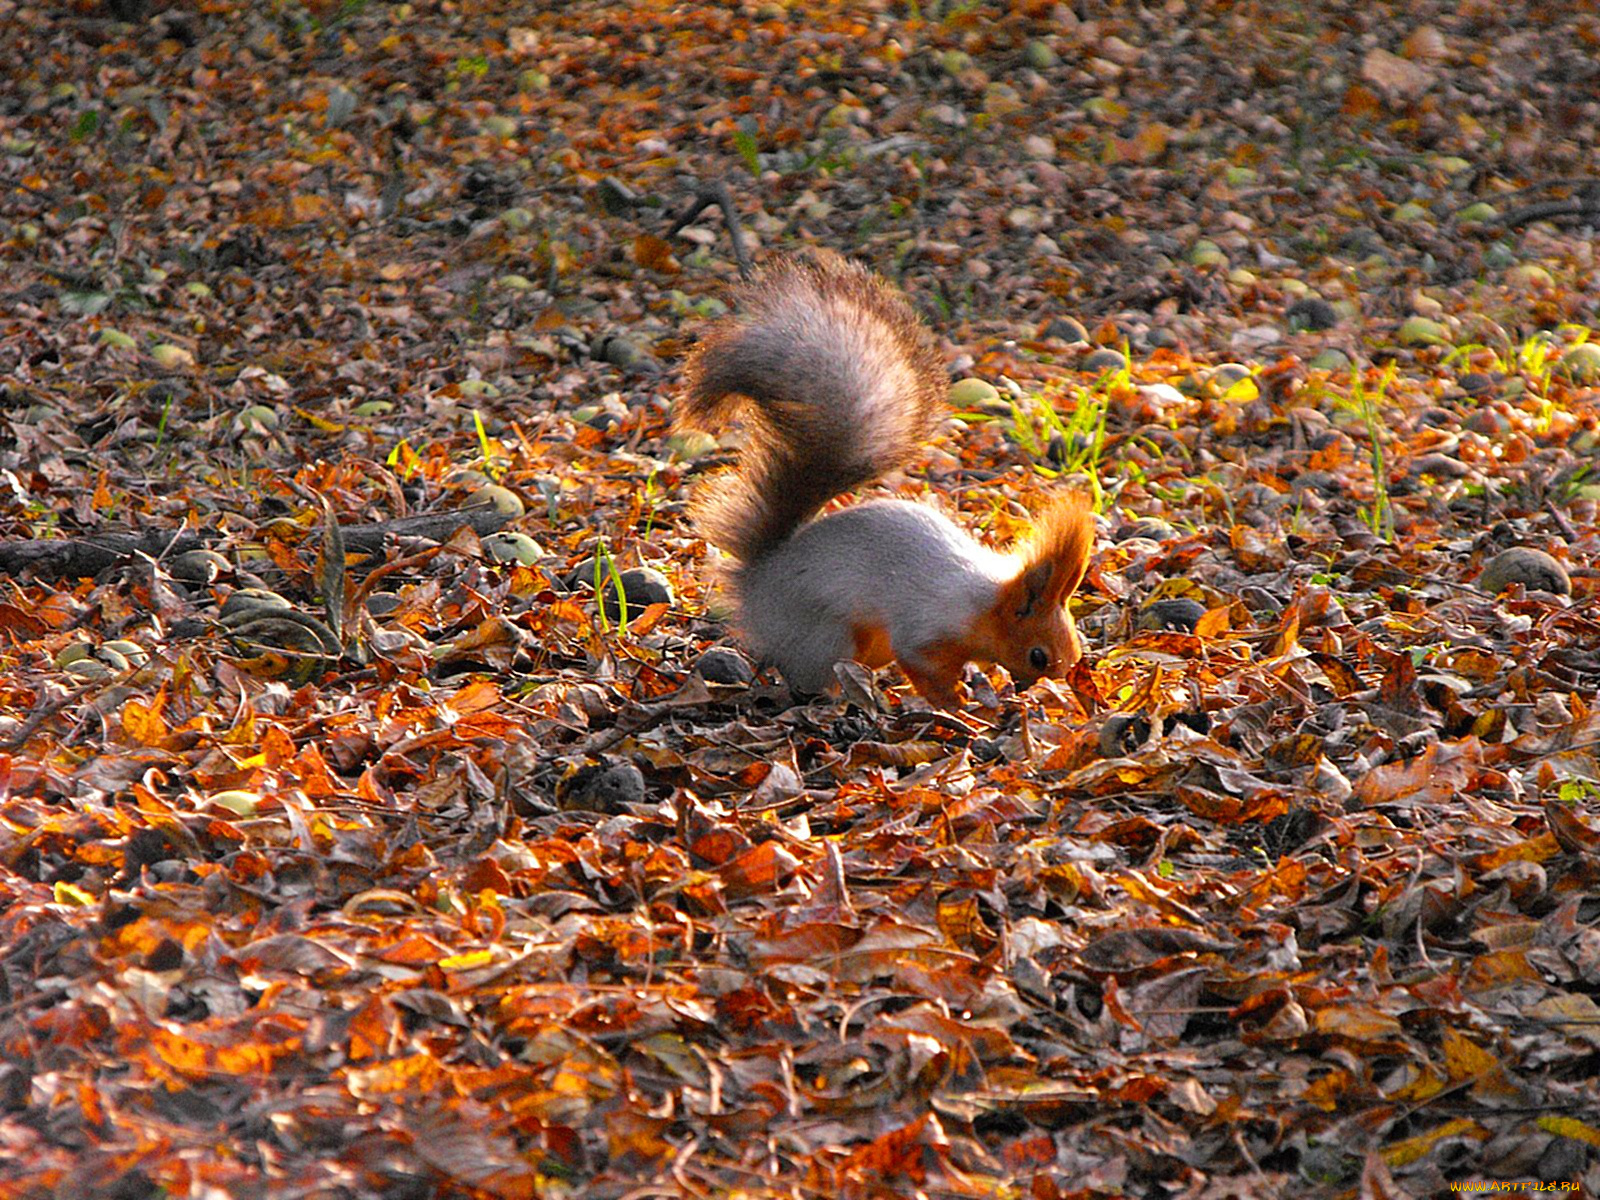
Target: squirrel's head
{"points": [[1036, 637]]}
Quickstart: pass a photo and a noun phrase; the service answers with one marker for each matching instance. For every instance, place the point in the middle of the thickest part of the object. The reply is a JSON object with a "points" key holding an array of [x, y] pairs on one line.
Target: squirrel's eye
{"points": [[1039, 658]]}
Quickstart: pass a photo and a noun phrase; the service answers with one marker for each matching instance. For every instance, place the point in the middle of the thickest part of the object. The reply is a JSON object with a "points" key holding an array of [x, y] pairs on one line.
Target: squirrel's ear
{"points": [[1035, 588], [1054, 559], [1047, 584], [1071, 569], [1058, 554]]}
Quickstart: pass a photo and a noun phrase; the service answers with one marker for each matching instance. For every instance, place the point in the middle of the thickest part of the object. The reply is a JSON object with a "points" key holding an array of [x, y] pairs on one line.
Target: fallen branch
{"points": [[85, 557], [1544, 210], [705, 195]]}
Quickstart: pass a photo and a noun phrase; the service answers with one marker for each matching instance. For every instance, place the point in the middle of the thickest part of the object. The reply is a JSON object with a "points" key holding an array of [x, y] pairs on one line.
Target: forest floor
{"points": [[386, 862]]}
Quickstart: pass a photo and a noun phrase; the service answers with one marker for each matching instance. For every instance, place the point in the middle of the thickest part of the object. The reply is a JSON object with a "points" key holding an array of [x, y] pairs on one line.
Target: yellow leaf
{"points": [[1326, 1092], [322, 423], [68, 893], [1425, 1084], [467, 962], [1570, 1127], [1465, 1059], [1409, 1151], [1242, 392]]}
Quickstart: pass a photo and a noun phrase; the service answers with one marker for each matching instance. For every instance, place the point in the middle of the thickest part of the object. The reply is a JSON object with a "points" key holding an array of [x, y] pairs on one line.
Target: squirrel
{"points": [[839, 382]]}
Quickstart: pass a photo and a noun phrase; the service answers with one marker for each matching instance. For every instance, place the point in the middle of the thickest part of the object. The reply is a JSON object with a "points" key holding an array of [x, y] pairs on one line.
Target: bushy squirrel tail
{"points": [[839, 382]]}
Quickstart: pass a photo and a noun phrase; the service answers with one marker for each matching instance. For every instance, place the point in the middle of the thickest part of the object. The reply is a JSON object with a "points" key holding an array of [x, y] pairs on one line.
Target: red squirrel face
{"points": [[1036, 634], [1037, 637], [1029, 631], [1042, 645]]}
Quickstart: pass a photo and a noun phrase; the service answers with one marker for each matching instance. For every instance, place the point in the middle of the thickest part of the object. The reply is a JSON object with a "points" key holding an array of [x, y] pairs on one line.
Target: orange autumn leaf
{"points": [[654, 254], [146, 723], [306, 206]]}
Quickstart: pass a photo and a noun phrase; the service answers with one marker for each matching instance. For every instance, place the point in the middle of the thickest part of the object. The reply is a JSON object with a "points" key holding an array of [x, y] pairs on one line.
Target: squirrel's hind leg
{"points": [[805, 656]]}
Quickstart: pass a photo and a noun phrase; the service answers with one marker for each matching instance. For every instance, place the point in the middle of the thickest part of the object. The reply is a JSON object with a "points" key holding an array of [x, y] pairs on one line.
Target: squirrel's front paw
{"points": [[938, 690]]}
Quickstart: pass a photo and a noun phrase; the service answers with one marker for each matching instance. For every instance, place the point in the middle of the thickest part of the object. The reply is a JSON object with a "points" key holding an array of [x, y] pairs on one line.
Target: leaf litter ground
{"points": [[1292, 889]]}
